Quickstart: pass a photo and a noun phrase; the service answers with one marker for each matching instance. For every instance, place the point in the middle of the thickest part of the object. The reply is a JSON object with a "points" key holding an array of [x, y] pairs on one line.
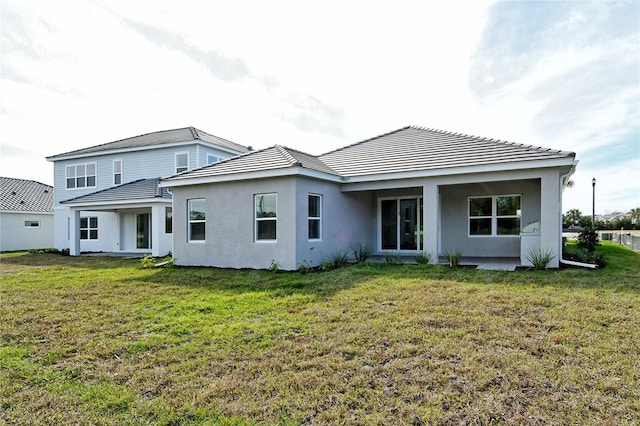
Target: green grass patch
{"points": [[103, 341]]}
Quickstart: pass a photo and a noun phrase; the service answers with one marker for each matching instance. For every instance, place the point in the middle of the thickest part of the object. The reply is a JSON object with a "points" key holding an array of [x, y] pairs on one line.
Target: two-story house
{"points": [[107, 198]]}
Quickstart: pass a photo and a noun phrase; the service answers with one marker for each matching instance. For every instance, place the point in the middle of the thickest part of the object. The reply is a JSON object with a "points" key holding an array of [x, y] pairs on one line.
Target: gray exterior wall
{"points": [[15, 236], [347, 219], [455, 219]]}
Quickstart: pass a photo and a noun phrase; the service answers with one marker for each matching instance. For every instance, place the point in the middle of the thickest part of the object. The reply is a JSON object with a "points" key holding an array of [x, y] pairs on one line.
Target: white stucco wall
{"points": [[15, 236]]}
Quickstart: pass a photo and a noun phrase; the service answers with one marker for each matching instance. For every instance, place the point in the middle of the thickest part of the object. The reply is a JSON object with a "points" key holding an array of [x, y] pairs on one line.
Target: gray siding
{"points": [[454, 217], [15, 236]]}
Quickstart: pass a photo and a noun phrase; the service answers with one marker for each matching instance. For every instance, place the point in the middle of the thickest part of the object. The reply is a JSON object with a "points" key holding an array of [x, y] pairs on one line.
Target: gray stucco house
{"points": [[407, 191]]}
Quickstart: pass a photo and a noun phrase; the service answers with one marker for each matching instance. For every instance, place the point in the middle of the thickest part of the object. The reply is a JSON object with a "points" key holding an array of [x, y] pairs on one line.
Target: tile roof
{"points": [[142, 189], [22, 195], [415, 148], [156, 138], [272, 158]]}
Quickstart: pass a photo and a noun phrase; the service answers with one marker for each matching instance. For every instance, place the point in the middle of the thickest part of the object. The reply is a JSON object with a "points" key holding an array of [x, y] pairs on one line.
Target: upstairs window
{"points": [[495, 215], [212, 159], [88, 228], [197, 209], [182, 162], [81, 176], [266, 216], [117, 172], [315, 217]]}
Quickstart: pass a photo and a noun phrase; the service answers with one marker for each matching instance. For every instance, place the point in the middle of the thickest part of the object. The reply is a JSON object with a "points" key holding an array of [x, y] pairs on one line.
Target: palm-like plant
{"points": [[634, 215], [573, 216]]}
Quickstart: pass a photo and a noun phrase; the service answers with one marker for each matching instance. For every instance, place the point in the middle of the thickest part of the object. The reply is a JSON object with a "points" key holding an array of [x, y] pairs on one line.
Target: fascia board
{"points": [[55, 158], [116, 204], [24, 212], [262, 174], [484, 168]]}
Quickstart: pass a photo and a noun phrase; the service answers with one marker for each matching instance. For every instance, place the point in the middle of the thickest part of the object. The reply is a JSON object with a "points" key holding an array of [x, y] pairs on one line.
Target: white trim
{"points": [[30, 226], [493, 217], [75, 177], [23, 212], [398, 250], [169, 182], [116, 203], [175, 161], [189, 221], [72, 156], [257, 219], [117, 160], [318, 218]]}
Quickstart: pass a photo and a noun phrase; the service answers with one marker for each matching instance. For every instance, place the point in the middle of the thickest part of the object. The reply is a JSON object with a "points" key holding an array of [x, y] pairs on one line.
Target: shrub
{"points": [[592, 257], [274, 266], [361, 252], [588, 238], [391, 258], [326, 266], [424, 257], [540, 258], [339, 258], [148, 261], [453, 257], [304, 267]]}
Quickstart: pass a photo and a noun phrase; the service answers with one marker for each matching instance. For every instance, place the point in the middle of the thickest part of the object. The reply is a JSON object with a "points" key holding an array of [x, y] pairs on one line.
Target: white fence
{"points": [[625, 238]]}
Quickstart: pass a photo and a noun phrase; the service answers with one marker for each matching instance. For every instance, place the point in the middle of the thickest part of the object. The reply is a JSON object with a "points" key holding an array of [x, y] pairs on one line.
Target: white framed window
{"points": [[182, 162], [81, 176], [32, 224], [315, 216], [168, 220], [117, 172], [266, 217], [495, 215], [212, 159], [89, 228], [197, 217]]}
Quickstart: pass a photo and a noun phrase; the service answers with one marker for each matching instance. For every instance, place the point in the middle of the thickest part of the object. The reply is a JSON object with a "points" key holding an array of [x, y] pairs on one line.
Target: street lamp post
{"points": [[593, 205]]}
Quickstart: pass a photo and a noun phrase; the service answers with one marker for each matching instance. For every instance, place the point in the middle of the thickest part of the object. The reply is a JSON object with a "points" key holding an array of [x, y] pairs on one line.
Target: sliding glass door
{"points": [[401, 223]]}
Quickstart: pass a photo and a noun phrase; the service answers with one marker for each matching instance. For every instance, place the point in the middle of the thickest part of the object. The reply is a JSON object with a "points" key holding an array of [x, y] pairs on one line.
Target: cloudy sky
{"points": [[319, 75]]}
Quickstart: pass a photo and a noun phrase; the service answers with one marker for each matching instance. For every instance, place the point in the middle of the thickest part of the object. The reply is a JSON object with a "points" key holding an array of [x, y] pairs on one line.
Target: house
{"points": [[404, 192], [107, 198], [26, 214]]}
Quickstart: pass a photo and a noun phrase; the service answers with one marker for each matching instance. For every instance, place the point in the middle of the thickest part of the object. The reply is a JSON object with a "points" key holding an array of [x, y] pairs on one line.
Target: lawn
{"points": [[103, 341]]}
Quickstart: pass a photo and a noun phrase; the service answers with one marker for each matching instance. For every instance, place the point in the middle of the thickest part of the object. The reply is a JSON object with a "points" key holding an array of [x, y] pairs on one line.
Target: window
{"points": [[495, 215], [211, 159], [81, 176], [117, 172], [182, 162], [88, 228], [168, 220], [197, 219], [315, 217], [32, 224], [266, 217]]}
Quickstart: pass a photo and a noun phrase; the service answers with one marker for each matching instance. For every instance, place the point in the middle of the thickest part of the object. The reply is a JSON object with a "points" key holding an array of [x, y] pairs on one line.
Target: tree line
{"points": [[630, 220]]}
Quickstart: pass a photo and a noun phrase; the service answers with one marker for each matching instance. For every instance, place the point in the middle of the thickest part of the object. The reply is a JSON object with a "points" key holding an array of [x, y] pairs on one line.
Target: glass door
{"points": [[408, 224], [401, 224], [143, 237]]}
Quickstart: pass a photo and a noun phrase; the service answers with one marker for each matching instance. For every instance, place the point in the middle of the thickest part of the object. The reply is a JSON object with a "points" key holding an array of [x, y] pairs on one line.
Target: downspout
{"points": [[564, 261]]}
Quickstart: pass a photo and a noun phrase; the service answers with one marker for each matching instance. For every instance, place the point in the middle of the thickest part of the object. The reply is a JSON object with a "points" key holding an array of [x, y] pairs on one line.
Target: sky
{"points": [[315, 76]]}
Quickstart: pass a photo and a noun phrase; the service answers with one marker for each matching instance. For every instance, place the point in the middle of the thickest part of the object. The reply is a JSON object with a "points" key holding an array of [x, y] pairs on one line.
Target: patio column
{"points": [[157, 216], [431, 225], [74, 232], [550, 204]]}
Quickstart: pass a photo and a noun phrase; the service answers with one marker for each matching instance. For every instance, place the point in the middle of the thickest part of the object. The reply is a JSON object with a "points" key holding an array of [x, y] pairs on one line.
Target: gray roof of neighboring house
{"points": [[416, 148], [272, 158], [22, 195], [156, 138], [142, 189]]}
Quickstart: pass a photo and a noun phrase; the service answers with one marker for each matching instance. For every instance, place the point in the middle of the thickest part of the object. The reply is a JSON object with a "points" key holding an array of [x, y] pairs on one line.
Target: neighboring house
{"points": [[403, 192], [26, 214], [107, 198]]}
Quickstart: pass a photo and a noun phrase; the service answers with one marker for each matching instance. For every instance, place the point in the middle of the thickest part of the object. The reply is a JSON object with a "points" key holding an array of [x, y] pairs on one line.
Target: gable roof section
{"points": [[273, 159], [154, 139], [412, 149], [143, 189], [20, 195]]}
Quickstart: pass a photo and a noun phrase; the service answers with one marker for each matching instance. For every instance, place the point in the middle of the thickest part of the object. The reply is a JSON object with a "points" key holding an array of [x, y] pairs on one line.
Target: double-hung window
{"points": [[266, 217], [81, 176], [315, 217], [197, 219], [117, 172], [182, 162], [495, 215], [88, 228]]}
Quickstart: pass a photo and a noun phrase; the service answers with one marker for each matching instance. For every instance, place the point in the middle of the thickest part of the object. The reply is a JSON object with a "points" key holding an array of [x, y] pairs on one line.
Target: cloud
{"points": [[226, 68]]}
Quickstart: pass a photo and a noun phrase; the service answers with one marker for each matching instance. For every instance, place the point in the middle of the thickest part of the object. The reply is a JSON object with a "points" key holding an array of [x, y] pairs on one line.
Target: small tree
{"points": [[588, 238]]}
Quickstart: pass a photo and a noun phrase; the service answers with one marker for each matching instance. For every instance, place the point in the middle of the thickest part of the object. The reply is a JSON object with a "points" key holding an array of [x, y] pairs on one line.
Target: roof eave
{"points": [[117, 203]]}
